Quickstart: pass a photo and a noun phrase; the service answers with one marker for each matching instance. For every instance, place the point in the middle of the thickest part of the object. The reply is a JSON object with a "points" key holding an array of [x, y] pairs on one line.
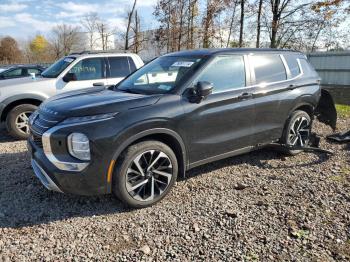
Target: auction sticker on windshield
{"points": [[68, 60], [183, 64]]}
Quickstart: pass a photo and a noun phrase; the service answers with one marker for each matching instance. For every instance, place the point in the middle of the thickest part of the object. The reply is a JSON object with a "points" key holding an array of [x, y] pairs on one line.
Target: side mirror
{"points": [[204, 89], [69, 77], [201, 91]]}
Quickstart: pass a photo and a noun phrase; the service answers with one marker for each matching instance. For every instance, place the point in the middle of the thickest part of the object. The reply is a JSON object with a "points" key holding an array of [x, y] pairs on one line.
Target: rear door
{"points": [[223, 122], [118, 67], [274, 92]]}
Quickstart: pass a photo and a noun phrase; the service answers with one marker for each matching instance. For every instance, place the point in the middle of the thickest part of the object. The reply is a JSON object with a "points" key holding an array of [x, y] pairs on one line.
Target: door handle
{"points": [[98, 84], [245, 96]]}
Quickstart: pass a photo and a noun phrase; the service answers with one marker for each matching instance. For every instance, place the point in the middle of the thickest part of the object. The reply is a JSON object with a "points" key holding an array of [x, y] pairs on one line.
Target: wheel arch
{"points": [[12, 102], [164, 135]]}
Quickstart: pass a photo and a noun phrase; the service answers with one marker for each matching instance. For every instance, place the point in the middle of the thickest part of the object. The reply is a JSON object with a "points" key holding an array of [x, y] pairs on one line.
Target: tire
{"points": [[132, 184], [297, 131], [18, 117]]}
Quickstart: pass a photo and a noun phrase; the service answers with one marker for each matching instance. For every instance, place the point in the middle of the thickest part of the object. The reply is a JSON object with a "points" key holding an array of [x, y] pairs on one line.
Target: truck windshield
{"points": [[56, 69], [161, 75]]}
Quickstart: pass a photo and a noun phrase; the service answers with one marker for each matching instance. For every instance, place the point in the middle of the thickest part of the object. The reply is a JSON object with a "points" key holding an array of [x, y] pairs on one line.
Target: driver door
{"points": [[87, 73], [223, 122]]}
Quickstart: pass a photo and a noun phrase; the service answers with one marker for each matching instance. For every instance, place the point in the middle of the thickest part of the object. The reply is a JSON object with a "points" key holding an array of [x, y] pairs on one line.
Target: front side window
{"points": [[161, 75], [293, 64], [57, 68], [119, 66], [225, 73], [88, 69], [268, 68], [13, 73]]}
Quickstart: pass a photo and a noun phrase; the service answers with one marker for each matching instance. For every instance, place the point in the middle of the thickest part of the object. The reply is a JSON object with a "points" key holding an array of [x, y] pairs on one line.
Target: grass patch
{"points": [[343, 110]]}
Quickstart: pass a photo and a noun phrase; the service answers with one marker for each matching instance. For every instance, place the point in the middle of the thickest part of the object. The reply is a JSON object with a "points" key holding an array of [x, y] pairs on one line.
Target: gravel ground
{"points": [[260, 206]]}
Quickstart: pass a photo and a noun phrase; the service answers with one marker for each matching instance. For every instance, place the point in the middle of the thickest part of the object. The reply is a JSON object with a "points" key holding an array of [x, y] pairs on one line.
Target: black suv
{"points": [[179, 111], [21, 71]]}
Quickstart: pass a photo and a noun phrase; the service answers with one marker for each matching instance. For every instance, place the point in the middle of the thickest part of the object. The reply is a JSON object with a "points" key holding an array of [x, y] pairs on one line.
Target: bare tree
{"points": [[130, 16], [89, 23], [64, 38], [105, 32]]}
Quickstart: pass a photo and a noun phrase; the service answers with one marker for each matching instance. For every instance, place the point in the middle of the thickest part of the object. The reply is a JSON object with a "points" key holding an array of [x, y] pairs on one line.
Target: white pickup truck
{"points": [[20, 97]]}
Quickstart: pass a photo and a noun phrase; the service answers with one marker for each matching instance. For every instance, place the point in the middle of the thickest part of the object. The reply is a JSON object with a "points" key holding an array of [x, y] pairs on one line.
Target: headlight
{"points": [[79, 146], [79, 119]]}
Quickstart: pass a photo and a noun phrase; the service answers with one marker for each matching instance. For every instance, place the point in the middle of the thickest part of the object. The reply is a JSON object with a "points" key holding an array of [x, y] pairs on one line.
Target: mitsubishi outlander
{"points": [[179, 111]]}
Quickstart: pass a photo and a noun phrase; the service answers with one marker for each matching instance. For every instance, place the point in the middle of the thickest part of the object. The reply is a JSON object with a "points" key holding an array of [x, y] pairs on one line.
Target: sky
{"points": [[26, 18]]}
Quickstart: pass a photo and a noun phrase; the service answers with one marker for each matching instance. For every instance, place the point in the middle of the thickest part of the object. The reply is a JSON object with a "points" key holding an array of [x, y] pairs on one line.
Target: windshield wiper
{"points": [[131, 90]]}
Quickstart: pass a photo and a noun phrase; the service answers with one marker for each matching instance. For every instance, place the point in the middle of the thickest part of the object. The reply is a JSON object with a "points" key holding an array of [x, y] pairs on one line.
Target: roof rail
{"points": [[89, 52]]}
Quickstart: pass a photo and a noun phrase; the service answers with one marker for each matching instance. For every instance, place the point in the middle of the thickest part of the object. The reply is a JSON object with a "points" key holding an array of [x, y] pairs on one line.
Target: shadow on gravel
{"points": [[25, 202]]}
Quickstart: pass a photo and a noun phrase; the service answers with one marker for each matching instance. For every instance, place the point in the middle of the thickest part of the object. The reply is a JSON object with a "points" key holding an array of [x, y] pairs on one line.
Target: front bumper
{"points": [[44, 178], [92, 180]]}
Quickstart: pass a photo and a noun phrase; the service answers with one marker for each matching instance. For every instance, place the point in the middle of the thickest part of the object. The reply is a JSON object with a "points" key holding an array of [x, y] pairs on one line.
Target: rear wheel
{"points": [[297, 131], [146, 173], [17, 120]]}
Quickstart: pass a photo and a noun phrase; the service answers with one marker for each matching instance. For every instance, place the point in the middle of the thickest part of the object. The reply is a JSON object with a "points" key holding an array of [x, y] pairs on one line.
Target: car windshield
{"points": [[54, 70], [161, 75]]}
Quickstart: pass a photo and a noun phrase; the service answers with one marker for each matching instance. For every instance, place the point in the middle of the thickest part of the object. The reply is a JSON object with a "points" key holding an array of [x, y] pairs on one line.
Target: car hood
{"points": [[94, 101], [24, 81]]}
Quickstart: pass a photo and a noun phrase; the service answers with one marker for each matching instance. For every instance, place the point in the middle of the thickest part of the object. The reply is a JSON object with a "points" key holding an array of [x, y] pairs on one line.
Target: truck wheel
{"points": [[17, 120], [145, 174], [297, 131]]}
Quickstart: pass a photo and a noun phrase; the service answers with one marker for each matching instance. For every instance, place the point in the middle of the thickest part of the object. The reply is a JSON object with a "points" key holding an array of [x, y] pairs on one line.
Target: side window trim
{"points": [[286, 67]]}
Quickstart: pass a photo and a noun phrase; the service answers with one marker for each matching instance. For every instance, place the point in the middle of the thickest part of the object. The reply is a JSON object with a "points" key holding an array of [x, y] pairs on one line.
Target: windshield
{"points": [[161, 75], [56, 69]]}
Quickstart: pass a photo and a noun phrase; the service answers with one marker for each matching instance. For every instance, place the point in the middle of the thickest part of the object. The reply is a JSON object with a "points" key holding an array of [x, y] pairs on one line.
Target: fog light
{"points": [[79, 146]]}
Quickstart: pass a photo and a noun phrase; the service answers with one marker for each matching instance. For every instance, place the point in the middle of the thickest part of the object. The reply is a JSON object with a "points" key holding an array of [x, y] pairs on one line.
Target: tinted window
{"points": [[268, 68], [119, 66], [88, 69], [13, 73], [292, 64], [225, 73]]}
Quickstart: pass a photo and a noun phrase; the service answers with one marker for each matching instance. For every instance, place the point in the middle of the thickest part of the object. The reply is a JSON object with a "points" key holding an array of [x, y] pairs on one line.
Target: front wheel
{"points": [[145, 174], [297, 131], [17, 120]]}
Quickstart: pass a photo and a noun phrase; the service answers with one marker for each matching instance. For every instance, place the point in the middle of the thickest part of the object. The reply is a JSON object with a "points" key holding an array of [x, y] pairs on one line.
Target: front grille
{"points": [[44, 122]]}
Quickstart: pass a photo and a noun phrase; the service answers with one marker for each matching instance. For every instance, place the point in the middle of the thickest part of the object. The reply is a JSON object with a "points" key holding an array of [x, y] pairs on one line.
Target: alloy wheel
{"points": [[22, 121], [299, 132], [149, 175]]}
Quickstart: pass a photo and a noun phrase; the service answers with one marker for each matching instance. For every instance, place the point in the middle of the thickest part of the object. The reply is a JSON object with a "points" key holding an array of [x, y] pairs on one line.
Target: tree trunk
{"points": [[259, 25], [241, 24], [128, 27], [231, 24]]}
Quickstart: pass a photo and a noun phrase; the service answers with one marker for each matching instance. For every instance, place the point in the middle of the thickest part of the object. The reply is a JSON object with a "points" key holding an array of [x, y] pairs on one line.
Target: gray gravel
{"points": [[260, 206]]}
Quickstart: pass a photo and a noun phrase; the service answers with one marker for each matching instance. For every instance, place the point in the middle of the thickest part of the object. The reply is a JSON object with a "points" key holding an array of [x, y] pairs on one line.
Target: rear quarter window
{"points": [[307, 68], [268, 68]]}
